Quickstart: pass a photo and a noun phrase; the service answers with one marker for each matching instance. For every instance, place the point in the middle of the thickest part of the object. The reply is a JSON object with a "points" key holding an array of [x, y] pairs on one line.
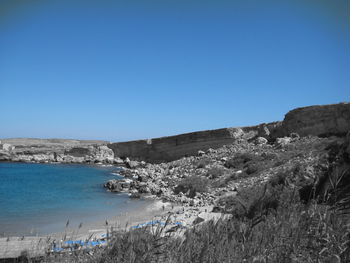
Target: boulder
{"points": [[200, 153], [281, 142], [263, 131], [118, 161], [8, 147], [131, 164], [260, 141], [4, 155], [118, 185]]}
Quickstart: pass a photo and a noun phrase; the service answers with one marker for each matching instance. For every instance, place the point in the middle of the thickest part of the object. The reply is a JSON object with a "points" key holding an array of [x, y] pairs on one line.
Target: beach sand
{"points": [[37, 245]]}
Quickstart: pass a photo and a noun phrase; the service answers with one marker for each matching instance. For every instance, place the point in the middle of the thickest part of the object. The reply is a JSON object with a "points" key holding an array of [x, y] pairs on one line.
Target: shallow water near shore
{"points": [[38, 199]]}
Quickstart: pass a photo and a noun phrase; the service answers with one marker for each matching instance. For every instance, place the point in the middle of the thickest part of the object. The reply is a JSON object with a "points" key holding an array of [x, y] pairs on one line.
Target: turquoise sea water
{"points": [[40, 198]]}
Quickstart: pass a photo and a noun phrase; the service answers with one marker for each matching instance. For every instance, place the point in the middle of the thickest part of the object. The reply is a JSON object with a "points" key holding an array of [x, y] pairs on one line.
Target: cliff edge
{"points": [[319, 120]]}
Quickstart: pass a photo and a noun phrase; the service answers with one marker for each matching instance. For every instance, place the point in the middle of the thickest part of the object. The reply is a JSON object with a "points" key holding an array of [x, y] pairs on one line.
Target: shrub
{"points": [[241, 159], [192, 185], [253, 168], [202, 163], [215, 172], [278, 179]]}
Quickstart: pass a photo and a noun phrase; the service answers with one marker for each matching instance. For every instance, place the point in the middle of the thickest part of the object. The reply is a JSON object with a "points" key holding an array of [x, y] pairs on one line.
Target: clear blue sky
{"points": [[122, 70]]}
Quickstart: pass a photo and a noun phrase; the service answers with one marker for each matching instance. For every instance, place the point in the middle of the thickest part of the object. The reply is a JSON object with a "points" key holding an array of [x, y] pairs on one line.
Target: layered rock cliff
{"points": [[324, 120], [321, 120], [55, 150]]}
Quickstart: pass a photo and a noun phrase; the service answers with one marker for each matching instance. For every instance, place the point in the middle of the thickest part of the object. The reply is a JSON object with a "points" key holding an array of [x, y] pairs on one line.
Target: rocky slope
{"points": [[210, 176]]}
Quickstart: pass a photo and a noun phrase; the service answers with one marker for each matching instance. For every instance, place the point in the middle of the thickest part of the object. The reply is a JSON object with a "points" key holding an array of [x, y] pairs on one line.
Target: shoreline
{"points": [[36, 246], [13, 246]]}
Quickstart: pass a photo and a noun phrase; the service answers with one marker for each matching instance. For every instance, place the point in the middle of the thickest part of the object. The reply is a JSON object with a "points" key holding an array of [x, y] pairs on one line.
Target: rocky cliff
{"points": [[55, 150], [321, 120]]}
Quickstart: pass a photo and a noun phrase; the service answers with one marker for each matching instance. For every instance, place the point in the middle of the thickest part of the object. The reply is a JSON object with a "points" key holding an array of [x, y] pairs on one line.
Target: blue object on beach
{"points": [[154, 222], [73, 242]]}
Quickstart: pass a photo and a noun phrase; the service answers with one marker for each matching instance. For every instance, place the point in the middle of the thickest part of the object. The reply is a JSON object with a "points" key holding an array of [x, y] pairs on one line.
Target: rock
{"points": [[118, 161], [134, 194], [200, 153], [263, 131], [144, 188], [223, 159], [131, 164], [198, 220], [8, 147], [260, 141], [118, 185], [143, 177], [320, 120], [210, 150], [281, 142], [104, 153], [4, 155], [294, 136]]}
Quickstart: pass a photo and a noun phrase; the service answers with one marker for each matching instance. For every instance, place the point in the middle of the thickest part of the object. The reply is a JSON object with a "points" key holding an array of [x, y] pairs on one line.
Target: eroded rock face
{"points": [[56, 150], [7, 147], [174, 147], [314, 120], [322, 120]]}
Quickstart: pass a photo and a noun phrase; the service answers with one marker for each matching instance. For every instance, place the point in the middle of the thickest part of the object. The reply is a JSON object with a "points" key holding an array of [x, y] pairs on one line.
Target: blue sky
{"points": [[123, 70]]}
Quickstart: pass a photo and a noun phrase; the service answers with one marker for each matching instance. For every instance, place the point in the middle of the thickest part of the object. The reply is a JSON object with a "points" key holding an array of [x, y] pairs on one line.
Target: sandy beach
{"points": [[11, 247]]}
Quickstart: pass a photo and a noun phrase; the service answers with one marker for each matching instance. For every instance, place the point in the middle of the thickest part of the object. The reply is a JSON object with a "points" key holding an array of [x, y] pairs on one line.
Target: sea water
{"points": [[41, 198]]}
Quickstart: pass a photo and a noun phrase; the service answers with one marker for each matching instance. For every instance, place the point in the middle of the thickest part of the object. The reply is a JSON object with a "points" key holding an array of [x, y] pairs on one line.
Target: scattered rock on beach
{"points": [[198, 220]]}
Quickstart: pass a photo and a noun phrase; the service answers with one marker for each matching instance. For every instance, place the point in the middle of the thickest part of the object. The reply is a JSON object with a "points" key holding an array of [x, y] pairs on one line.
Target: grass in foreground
{"points": [[289, 231]]}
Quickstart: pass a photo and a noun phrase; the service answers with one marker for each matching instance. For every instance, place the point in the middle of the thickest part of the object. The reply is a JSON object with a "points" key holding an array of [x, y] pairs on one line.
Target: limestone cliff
{"points": [[324, 120], [174, 147], [321, 120]]}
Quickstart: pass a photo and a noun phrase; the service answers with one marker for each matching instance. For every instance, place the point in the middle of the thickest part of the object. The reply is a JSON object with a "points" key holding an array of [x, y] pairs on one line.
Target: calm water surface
{"points": [[40, 198]]}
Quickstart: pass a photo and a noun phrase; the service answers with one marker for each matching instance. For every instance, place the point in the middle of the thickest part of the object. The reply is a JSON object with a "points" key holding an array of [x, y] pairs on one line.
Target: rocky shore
{"points": [[211, 176], [56, 150], [201, 168], [203, 173]]}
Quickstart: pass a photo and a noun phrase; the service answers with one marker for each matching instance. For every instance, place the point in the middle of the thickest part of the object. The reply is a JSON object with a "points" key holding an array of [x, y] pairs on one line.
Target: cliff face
{"points": [[55, 150], [322, 120], [174, 147]]}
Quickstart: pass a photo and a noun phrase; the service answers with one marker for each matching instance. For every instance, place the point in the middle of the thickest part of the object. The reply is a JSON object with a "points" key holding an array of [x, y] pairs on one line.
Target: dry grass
{"points": [[288, 231]]}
